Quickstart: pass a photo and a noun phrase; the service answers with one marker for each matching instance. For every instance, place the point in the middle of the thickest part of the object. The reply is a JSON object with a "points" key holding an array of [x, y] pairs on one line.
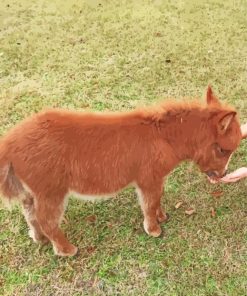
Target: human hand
{"points": [[244, 130], [235, 176]]}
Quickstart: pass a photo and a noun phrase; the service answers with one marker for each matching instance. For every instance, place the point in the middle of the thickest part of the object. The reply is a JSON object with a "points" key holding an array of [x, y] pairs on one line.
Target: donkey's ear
{"points": [[224, 121], [211, 98]]}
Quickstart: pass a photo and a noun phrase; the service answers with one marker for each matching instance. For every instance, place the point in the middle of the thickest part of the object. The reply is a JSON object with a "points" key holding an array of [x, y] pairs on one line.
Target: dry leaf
{"points": [[178, 204], [213, 213], [90, 249], [95, 282], [190, 211], [109, 225], [158, 34], [217, 193], [91, 218]]}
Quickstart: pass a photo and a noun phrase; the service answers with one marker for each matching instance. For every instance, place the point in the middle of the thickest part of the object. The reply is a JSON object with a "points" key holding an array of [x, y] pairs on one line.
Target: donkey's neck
{"points": [[183, 128]]}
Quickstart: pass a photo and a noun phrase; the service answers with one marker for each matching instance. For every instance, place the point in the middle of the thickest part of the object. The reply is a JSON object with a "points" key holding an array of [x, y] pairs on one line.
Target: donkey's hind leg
{"points": [[49, 212], [35, 231]]}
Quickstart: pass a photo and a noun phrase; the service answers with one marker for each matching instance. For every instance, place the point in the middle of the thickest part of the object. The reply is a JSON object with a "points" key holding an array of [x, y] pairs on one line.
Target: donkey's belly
{"points": [[92, 197], [99, 193]]}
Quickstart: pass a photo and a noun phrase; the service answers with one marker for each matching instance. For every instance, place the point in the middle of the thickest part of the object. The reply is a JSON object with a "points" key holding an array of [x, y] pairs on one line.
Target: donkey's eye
{"points": [[222, 151]]}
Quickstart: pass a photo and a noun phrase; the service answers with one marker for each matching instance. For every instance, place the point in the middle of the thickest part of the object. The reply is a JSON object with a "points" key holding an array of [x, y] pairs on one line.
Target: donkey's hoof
{"points": [[154, 231], [66, 251]]}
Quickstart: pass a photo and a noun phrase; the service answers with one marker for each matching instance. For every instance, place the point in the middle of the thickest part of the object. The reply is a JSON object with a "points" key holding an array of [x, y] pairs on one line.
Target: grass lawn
{"points": [[115, 55]]}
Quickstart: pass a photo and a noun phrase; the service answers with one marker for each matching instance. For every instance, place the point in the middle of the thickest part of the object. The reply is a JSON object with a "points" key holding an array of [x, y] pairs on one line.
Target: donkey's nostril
{"points": [[211, 174]]}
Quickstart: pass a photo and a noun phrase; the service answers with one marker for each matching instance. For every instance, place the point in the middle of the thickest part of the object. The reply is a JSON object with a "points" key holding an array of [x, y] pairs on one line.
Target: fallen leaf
{"points": [[178, 204], [227, 254], [91, 218], [83, 284], [90, 249], [110, 225], [95, 282], [183, 235], [74, 41], [217, 193], [158, 34], [138, 231], [213, 213], [190, 211], [142, 274]]}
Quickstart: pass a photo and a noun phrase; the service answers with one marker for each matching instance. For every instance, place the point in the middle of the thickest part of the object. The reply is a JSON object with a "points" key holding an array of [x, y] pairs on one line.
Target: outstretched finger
{"points": [[229, 180]]}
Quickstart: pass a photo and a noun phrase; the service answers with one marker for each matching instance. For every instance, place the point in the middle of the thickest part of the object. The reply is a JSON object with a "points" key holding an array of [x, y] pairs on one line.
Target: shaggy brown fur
{"points": [[54, 153]]}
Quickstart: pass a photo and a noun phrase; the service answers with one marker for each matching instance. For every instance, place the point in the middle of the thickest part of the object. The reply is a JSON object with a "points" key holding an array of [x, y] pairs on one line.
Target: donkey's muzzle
{"points": [[211, 174]]}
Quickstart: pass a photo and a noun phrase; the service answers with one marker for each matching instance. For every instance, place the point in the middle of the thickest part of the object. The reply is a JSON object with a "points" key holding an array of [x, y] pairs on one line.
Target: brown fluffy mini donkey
{"points": [[56, 153]]}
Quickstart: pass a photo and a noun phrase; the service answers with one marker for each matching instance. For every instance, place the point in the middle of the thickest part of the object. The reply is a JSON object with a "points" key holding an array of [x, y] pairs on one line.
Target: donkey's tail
{"points": [[10, 185]]}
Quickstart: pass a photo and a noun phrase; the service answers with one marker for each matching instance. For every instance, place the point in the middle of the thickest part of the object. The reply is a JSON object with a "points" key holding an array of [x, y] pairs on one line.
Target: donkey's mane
{"points": [[150, 114], [169, 109]]}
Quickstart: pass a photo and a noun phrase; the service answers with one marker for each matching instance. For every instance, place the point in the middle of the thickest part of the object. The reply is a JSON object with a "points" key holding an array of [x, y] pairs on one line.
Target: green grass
{"points": [[115, 55]]}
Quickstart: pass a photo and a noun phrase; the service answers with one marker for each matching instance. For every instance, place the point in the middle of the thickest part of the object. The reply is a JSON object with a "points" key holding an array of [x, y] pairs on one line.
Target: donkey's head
{"points": [[222, 136]]}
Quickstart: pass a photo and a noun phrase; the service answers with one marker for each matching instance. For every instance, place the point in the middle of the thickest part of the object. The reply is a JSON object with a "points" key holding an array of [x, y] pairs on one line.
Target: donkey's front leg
{"points": [[149, 197]]}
